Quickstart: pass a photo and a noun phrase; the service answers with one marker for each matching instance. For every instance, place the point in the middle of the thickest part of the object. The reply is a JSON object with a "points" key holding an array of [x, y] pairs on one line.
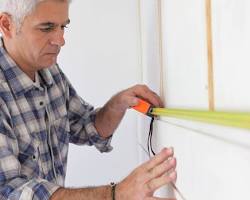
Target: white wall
{"points": [[101, 57], [213, 161]]}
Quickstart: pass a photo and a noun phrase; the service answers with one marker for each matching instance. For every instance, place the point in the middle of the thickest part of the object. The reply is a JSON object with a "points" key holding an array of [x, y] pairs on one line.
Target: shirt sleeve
{"points": [[13, 184], [82, 118]]}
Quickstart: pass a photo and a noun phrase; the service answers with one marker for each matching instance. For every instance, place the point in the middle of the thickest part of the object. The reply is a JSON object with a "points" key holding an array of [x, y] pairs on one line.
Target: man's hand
{"points": [[129, 98], [139, 185], [147, 178], [110, 115]]}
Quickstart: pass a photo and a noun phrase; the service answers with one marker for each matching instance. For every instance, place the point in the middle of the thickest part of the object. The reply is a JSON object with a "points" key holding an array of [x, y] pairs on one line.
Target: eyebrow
{"points": [[52, 23]]}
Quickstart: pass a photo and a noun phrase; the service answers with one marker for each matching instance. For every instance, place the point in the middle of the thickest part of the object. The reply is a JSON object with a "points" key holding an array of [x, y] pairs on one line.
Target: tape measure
{"points": [[144, 107], [232, 119]]}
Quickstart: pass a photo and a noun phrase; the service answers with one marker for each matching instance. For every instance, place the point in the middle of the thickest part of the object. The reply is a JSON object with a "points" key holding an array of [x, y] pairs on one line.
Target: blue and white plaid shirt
{"points": [[37, 122]]}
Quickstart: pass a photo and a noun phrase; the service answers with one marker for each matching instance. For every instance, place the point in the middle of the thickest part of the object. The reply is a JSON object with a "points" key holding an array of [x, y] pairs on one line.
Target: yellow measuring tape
{"points": [[233, 119]]}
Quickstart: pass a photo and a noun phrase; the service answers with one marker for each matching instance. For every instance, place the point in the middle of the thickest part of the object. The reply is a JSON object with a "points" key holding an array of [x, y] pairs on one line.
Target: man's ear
{"points": [[6, 25]]}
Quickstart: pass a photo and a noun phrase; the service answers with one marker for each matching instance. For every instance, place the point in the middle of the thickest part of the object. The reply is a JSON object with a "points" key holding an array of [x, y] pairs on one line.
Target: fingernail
{"points": [[171, 149], [172, 175], [172, 161], [135, 101]]}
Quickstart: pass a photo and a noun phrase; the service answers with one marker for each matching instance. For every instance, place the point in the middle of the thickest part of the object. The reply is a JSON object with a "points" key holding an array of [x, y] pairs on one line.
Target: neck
{"points": [[20, 62]]}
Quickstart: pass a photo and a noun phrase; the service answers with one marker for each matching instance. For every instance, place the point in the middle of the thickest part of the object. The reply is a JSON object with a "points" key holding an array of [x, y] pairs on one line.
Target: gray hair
{"points": [[19, 9]]}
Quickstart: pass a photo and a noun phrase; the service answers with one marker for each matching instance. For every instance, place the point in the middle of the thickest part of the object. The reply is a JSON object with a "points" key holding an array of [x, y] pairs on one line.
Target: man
{"points": [[40, 113]]}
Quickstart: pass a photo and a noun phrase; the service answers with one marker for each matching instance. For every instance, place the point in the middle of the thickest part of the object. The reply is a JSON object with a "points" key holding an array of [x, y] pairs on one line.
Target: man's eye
{"points": [[47, 29], [64, 27]]}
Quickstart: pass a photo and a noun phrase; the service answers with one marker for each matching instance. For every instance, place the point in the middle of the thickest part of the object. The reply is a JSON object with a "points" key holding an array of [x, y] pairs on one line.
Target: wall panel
{"points": [[213, 161]]}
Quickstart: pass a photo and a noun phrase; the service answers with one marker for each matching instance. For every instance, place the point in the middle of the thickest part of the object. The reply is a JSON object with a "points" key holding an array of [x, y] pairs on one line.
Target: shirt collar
{"points": [[16, 78]]}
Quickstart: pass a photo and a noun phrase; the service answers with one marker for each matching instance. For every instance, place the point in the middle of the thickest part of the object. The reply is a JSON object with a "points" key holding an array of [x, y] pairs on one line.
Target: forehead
{"points": [[55, 11]]}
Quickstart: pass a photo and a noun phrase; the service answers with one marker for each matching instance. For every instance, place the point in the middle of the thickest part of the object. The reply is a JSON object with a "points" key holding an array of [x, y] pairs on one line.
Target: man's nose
{"points": [[58, 38]]}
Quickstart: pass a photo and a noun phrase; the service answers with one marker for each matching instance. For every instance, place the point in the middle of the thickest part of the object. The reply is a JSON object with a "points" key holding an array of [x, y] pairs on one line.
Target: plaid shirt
{"points": [[37, 122]]}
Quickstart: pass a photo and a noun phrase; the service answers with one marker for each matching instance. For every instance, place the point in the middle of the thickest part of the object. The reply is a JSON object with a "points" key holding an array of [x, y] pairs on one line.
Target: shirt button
{"points": [[33, 157], [41, 103]]}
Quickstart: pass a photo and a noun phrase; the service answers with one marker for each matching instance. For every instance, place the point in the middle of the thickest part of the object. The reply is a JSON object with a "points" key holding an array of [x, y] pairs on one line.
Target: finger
{"points": [[170, 171], [153, 97], [164, 155], [163, 168], [123, 101], [160, 102], [130, 101], [142, 91], [161, 181]]}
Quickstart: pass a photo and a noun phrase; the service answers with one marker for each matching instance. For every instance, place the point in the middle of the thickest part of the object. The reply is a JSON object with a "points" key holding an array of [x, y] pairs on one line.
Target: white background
{"points": [[101, 57]]}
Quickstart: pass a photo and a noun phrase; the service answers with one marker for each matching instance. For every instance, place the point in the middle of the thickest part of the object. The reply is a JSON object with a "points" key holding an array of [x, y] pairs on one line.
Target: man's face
{"points": [[41, 36]]}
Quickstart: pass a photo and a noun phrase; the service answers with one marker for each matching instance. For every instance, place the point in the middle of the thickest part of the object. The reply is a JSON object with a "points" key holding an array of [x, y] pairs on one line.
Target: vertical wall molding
{"points": [[210, 55]]}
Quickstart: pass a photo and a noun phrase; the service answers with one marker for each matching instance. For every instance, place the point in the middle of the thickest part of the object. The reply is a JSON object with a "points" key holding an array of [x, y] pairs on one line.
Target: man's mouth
{"points": [[55, 52]]}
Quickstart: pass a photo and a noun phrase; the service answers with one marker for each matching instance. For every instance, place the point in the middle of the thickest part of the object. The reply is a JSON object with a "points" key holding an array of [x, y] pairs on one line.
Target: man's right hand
{"points": [[147, 178]]}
